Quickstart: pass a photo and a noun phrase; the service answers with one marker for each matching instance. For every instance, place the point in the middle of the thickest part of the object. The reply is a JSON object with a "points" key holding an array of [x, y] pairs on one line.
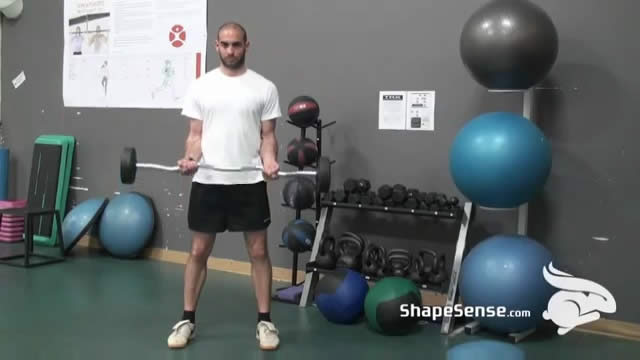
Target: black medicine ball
{"points": [[299, 193], [304, 111], [302, 152], [298, 235]]}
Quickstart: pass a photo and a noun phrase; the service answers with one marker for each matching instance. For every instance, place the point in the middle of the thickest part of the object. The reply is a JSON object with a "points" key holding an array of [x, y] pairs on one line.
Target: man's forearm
{"points": [[193, 148], [269, 148]]}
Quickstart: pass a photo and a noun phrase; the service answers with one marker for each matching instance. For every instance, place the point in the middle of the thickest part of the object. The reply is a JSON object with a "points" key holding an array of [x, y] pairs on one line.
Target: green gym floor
{"points": [[97, 307]]}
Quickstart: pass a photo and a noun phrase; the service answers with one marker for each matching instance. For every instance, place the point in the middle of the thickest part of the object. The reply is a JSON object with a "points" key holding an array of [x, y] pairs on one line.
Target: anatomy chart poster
{"points": [[132, 53]]}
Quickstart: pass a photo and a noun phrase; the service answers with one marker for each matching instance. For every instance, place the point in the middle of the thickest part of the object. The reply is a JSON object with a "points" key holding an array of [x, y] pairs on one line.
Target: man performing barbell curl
{"points": [[232, 112]]}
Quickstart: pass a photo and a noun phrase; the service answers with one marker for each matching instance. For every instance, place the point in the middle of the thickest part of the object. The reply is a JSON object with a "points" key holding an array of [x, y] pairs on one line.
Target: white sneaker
{"points": [[181, 333], [267, 334]]}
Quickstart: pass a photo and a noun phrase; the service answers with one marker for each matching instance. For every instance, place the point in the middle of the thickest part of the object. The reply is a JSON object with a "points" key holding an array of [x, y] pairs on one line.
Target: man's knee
{"points": [[201, 247], [257, 246], [258, 253]]}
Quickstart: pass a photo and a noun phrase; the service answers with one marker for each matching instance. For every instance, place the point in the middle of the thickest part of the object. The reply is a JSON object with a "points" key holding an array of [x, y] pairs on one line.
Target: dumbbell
{"points": [[411, 203], [340, 196], [384, 192], [350, 186], [377, 201], [441, 200], [413, 193], [367, 198], [354, 198], [399, 194]]}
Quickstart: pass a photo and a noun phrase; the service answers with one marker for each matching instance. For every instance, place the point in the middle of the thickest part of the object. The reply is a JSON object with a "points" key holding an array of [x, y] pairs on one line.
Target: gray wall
{"points": [[343, 53]]}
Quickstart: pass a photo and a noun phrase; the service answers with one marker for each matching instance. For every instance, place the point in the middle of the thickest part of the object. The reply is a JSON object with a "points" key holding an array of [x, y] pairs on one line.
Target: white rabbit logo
{"points": [[571, 307]]}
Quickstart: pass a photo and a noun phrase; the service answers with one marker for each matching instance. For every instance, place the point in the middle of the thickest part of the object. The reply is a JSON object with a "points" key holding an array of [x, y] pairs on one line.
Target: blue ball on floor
{"points": [[500, 160], [340, 296], [485, 350], [78, 221], [506, 270], [126, 225]]}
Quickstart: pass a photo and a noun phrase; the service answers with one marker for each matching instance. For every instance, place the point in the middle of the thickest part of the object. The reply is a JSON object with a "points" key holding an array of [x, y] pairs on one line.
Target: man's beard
{"points": [[234, 66]]}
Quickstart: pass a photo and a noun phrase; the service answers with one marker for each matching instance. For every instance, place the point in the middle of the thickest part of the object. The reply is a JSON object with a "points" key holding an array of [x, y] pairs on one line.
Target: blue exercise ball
{"points": [[500, 160], [80, 219], [340, 296], [506, 271], [127, 225], [485, 350]]}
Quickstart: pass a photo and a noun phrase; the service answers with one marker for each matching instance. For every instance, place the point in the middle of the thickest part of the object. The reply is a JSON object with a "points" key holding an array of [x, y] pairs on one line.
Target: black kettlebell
{"points": [[438, 272], [416, 272], [370, 260], [398, 262], [350, 247], [326, 257], [382, 261], [373, 260], [434, 271]]}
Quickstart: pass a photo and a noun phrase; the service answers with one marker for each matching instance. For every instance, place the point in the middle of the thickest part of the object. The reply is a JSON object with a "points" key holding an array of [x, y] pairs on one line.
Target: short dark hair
{"points": [[232, 24]]}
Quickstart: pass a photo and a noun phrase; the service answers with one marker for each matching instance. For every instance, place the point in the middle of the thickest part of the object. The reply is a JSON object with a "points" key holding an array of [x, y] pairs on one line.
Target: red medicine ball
{"points": [[302, 152], [304, 111]]}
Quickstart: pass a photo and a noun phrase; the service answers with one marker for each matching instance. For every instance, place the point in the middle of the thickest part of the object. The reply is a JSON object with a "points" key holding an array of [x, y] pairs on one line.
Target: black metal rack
{"points": [[462, 215], [450, 214]]}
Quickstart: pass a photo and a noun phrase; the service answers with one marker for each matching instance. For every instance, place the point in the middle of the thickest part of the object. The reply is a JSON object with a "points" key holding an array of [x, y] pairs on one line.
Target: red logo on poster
{"points": [[177, 36]]}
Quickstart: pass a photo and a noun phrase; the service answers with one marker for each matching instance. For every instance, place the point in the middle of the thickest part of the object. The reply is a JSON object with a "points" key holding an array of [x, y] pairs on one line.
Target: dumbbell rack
{"points": [[318, 126], [463, 216]]}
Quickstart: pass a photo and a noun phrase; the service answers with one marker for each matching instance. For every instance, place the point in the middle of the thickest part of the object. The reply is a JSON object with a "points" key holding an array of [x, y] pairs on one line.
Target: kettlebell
{"points": [[350, 247], [370, 260], [373, 260], [434, 271], [438, 273], [398, 262], [382, 261], [326, 258], [416, 272]]}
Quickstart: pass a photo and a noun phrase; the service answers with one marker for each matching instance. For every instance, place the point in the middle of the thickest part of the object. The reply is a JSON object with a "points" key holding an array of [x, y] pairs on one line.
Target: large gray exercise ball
{"points": [[509, 44]]}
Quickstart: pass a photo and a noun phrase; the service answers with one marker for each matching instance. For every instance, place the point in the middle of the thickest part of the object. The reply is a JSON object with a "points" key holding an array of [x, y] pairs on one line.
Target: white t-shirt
{"points": [[76, 44], [232, 109]]}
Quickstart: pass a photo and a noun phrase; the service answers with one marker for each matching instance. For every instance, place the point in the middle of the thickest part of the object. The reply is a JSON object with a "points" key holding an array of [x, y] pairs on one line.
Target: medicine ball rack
{"points": [[318, 126], [464, 217]]}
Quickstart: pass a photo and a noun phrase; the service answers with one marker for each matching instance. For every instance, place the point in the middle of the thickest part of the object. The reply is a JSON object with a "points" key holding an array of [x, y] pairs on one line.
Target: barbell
{"points": [[129, 165]]}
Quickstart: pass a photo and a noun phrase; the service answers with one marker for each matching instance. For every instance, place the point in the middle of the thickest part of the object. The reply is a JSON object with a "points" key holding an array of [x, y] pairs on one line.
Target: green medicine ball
{"points": [[382, 305]]}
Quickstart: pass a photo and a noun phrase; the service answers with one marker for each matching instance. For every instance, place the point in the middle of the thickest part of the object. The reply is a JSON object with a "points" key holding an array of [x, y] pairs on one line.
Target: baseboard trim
{"points": [[604, 327], [612, 328], [214, 263]]}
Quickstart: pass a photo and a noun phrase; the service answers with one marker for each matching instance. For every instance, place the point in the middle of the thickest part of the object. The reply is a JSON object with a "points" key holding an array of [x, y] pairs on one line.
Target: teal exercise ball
{"points": [[80, 219], [500, 160], [506, 271], [126, 225], [485, 350]]}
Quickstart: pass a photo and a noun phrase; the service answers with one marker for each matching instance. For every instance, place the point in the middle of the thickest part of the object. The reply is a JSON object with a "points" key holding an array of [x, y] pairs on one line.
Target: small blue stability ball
{"points": [[506, 270], [126, 225], [79, 220], [500, 160]]}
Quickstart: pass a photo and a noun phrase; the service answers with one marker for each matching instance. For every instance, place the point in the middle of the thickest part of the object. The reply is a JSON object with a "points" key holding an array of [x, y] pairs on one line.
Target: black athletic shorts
{"points": [[216, 208]]}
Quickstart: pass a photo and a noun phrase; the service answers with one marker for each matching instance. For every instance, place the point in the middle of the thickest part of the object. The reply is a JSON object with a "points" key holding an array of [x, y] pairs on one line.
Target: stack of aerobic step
{"points": [[49, 183]]}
